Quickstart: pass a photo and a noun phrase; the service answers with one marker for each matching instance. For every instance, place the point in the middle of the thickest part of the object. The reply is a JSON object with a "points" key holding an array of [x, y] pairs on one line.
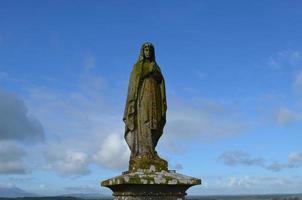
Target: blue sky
{"points": [[233, 72]]}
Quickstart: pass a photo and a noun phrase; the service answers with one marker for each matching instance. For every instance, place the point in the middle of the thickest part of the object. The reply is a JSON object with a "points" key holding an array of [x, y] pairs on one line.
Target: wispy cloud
{"points": [[234, 158], [200, 75], [298, 81], [289, 61], [294, 160], [285, 116], [251, 185], [90, 62], [206, 119], [285, 59]]}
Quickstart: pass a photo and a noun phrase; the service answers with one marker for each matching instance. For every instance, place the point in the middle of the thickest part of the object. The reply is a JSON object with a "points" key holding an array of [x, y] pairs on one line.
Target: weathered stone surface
{"points": [[152, 177], [150, 184]]}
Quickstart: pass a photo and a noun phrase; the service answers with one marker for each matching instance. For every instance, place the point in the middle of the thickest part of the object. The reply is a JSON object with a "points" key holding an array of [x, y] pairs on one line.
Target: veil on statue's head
{"points": [[152, 52]]}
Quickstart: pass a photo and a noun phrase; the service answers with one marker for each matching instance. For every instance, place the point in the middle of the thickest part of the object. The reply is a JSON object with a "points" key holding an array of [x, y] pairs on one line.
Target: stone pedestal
{"points": [[150, 184]]}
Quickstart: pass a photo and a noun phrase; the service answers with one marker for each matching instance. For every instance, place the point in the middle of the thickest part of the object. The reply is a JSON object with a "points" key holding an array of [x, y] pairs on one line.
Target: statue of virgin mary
{"points": [[145, 110]]}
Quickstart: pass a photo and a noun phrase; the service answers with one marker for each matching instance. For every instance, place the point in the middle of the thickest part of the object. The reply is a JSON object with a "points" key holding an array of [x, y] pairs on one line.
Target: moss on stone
{"points": [[154, 163]]}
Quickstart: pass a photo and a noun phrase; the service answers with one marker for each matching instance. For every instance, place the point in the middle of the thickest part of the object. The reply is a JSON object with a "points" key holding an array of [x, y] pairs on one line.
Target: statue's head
{"points": [[147, 52]]}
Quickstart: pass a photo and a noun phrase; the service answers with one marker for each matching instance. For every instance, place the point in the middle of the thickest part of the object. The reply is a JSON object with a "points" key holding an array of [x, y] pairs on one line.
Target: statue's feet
{"points": [[148, 162]]}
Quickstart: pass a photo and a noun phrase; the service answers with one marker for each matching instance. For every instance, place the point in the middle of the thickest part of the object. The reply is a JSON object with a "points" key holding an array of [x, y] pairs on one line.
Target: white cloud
{"points": [[78, 124], [11, 158], [67, 163], [114, 153], [68, 160]]}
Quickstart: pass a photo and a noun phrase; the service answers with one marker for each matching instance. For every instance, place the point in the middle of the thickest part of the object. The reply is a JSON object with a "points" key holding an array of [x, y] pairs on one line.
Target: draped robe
{"points": [[145, 110]]}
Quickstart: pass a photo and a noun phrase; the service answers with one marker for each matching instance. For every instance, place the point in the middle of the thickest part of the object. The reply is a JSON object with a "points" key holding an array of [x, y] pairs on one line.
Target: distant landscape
{"points": [[228, 197]]}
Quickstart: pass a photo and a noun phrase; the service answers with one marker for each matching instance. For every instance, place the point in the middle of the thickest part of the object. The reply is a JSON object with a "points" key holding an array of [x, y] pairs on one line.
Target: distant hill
{"points": [[14, 192], [88, 196], [42, 198]]}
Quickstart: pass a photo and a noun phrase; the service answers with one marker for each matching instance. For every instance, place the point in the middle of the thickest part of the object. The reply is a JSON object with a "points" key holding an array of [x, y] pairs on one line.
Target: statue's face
{"points": [[147, 51]]}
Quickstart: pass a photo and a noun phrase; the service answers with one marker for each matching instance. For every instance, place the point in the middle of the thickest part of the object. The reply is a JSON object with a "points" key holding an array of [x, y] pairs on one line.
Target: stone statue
{"points": [[145, 110], [148, 176]]}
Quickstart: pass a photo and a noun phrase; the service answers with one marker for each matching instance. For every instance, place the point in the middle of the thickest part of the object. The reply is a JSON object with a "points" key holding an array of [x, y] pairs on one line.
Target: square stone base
{"points": [[150, 184]]}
